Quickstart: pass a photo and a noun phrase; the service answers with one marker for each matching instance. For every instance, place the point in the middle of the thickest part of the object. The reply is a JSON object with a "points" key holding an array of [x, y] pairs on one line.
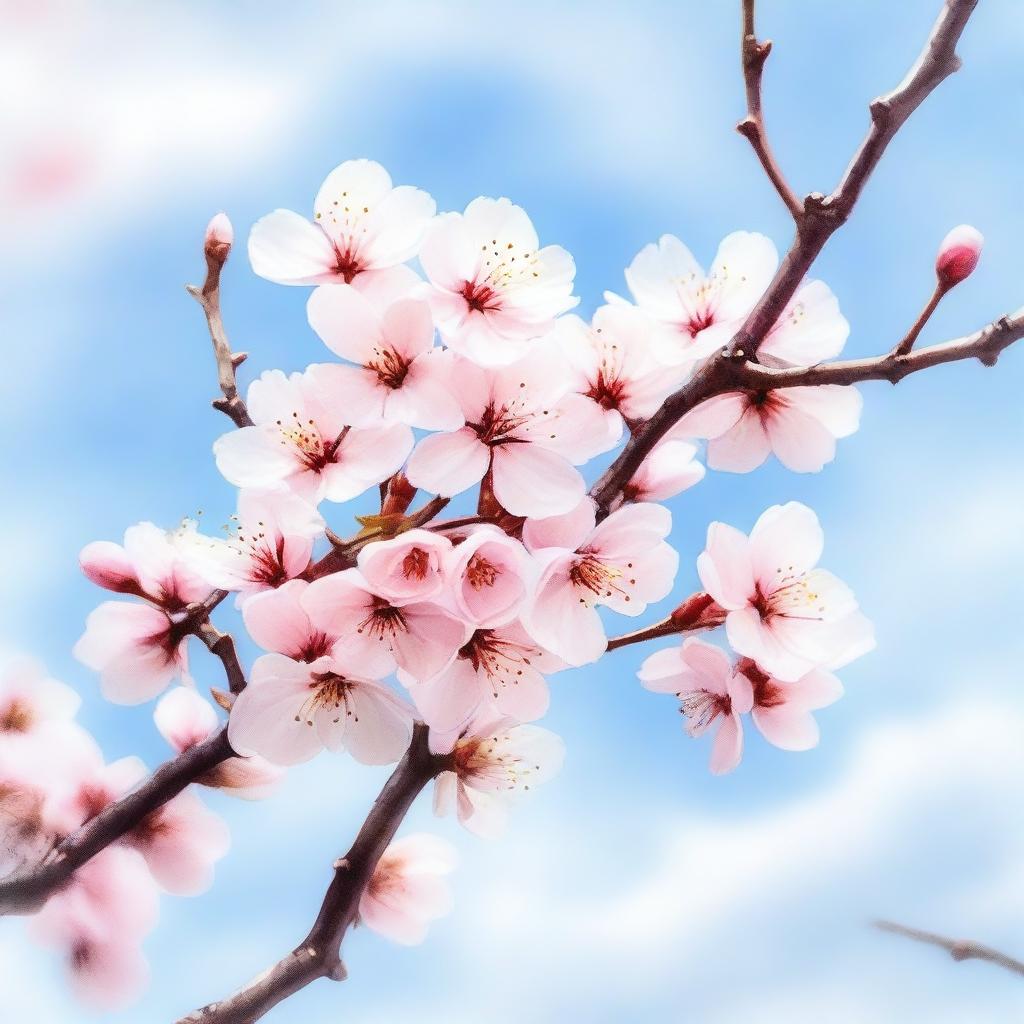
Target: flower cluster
{"points": [[468, 374]]}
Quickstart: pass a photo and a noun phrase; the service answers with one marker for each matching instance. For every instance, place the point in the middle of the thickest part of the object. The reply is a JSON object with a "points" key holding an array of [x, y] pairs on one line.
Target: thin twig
{"points": [[907, 342], [958, 949], [820, 218], [232, 405], [753, 54], [319, 953]]}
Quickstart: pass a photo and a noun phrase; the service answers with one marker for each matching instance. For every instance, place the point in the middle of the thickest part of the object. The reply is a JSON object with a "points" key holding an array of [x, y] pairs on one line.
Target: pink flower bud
{"points": [[219, 236], [958, 255], [109, 566]]}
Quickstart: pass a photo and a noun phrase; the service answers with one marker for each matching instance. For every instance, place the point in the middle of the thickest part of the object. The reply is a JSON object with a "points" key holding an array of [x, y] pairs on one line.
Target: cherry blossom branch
{"points": [[958, 949], [754, 53], [216, 249], [821, 216], [24, 892], [319, 953]]}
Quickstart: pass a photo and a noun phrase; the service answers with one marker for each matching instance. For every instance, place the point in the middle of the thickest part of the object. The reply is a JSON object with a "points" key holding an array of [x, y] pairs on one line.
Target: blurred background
{"points": [[635, 887]]}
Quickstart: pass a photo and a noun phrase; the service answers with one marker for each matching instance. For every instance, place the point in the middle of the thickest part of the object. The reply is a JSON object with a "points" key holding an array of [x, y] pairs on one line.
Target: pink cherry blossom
{"points": [[498, 672], [267, 543], [407, 568], [301, 437], [493, 763], [671, 468], [361, 226], [150, 564], [810, 330], [399, 376], [799, 425], [697, 312], [487, 576], [958, 255], [711, 692], [376, 633], [784, 613], [181, 841], [523, 431], [290, 711], [98, 921], [184, 719], [79, 796], [408, 889], [278, 622], [29, 697], [495, 290], [782, 711], [623, 563], [137, 650], [613, 364]]}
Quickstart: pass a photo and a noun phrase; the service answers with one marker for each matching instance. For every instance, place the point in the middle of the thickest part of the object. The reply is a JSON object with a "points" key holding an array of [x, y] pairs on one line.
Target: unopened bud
{"points": [[108, 566], [958, 255], [698, 611], [219, 236], [399, 495]]}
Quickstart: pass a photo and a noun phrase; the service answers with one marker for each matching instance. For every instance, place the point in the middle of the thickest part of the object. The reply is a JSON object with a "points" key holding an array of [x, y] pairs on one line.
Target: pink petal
{"points": [[743, 447], [532, 481], [448, 464], [727, 748], [286, 248], [787, 727], [725, 567]]}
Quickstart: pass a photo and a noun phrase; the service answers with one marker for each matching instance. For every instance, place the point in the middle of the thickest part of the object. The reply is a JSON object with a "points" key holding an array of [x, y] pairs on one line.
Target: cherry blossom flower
{"points": [[613, 364], [269, 541], [278, 622], [493, 762], [181, 841], [290, 711], [486, 575], [98, 920], [671, 468], [799, 425], [711, 694], [499, 672], [185, 720], [407, 568], [137, 650], [810, 330], [420, 636], [495, 290], [301, 438], [623, 563], [29, 697], [399, 376], [697, 312], [523, 431], [782, 711], [150, 564], [361, 226], [407, 889], [958, 255], [79, 796], [784, 613]]}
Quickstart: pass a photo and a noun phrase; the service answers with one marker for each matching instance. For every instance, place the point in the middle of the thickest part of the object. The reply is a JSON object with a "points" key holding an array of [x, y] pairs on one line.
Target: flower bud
{"points": [[219, 236], [108, 566], [958, 255]]}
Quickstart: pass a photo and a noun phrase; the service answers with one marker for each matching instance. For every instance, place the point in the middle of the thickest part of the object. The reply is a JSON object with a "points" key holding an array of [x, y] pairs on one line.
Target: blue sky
{"points": [[635, 886]]}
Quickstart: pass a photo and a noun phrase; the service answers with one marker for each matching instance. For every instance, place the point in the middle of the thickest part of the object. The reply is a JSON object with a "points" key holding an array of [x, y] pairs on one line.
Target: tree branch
{"points": [[958, 949], [25, 891], [820, 218], [216, 250], [319, 953], [753, 54]]}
